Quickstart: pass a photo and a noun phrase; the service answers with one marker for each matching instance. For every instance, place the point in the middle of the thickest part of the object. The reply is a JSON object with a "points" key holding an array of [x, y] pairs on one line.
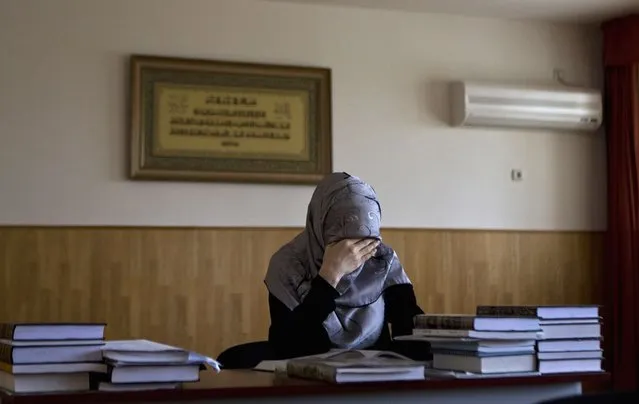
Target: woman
{"points": [[336, 285]]}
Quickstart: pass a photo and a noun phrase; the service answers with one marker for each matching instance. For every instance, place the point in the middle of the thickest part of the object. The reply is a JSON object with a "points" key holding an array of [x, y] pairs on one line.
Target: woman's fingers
{"points": [[365, 242], [364, 249], [369, 248]]}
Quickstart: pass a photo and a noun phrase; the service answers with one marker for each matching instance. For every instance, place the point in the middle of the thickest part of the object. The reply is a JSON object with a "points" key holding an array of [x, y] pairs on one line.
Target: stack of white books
{"points": [[148, 365], [478, 344], [50, 357], [571, 335]]}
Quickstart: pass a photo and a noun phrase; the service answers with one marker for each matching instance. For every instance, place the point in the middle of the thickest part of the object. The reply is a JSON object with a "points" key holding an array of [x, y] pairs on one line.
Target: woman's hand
{"points": [[344, 257]]}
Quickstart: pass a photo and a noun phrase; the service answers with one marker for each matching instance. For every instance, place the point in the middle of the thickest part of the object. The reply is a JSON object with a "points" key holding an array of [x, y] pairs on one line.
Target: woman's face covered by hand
{"points": [[353, 215]]}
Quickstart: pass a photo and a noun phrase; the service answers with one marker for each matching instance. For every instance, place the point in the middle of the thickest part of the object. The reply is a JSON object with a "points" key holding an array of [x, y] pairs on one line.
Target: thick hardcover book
{"points": [[13, 354], [455, 322], [570, 365], [46, 368], [52, 331], [482, 346], [515, 311], [480, 323], [356, 371], [486, 364], [426, 333], [569, 345], [45, 383], [479, 354], [544, 312], [151, 373]]}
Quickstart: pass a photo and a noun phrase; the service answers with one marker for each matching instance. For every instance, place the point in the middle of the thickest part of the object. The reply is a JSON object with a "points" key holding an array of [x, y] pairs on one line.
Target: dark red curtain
{"points": [[621, 64]]}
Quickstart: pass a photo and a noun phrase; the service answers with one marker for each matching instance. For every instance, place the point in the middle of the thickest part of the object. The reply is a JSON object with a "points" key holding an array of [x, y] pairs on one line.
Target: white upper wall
{"points": [[572, 11], [63, 127]]}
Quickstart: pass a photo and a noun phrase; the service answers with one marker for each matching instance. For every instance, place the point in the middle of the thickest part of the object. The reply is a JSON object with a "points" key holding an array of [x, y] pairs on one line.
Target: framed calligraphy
{"points": [[229, 122]]}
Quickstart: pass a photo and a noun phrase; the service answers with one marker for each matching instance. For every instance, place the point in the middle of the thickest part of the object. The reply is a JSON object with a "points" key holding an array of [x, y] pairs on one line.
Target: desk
{"points": [[235, 386]]}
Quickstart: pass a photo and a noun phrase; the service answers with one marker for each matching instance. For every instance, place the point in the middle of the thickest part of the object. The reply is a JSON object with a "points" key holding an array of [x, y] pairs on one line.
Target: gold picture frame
{"points": [[206, 120]]}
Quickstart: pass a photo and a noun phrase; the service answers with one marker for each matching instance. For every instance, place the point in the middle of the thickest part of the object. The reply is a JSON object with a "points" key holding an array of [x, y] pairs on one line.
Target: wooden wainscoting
{"points": [[203, 288]]}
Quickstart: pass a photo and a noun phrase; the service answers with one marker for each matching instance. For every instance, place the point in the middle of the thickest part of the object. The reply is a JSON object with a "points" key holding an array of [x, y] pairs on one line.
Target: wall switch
{"points": [[516, 174]]}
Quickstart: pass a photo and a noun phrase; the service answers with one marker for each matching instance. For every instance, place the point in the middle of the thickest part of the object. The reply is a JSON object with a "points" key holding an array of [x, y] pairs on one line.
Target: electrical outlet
{"points": [[516, 174]]}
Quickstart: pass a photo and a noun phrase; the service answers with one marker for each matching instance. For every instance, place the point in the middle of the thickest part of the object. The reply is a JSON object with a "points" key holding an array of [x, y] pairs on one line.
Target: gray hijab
{"points": [[342, 206]]}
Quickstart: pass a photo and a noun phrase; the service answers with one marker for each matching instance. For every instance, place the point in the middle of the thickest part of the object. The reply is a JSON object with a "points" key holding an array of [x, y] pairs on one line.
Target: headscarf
{"points": [[342, 206]]}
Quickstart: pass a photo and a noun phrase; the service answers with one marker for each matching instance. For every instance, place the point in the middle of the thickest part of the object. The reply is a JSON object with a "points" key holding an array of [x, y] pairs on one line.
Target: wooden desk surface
{"points": [[249, 384]]}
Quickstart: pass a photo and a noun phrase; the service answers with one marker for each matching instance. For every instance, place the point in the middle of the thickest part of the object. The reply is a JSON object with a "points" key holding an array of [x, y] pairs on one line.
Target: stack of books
{"points": [[49, 357], [483, 344], [571, 340], [147, 365]]}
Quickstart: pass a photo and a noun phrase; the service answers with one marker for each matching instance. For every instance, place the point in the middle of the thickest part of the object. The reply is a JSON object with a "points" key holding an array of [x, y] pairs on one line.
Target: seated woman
{"points": [[336, 285]]}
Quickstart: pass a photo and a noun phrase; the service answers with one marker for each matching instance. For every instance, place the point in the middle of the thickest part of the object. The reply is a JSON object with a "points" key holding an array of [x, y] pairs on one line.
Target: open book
{"points": [[346, 366], [357, 367], [336, 354]]}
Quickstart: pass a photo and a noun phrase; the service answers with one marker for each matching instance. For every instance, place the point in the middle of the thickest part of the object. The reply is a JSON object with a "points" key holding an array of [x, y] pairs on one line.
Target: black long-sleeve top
{"points": [[300, 332]]}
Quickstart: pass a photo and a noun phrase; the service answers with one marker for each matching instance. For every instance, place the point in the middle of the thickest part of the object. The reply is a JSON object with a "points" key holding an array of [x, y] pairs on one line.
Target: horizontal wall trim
{"points": [[272, 228]]}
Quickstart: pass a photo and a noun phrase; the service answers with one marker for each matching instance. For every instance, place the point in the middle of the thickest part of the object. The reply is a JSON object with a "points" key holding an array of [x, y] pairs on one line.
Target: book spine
{"points": [[443, 351], [440, 332], [7, 330], [309, 370], [6, 353], [444, 322], [507, 311]]}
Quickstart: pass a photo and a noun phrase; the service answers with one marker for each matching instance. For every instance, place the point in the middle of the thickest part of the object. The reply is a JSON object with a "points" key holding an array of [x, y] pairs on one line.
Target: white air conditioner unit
{"points": [[541, 107]]}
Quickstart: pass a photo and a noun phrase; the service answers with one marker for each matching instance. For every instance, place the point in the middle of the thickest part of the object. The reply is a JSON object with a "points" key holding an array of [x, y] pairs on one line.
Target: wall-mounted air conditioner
{"points": [[542, 107]]}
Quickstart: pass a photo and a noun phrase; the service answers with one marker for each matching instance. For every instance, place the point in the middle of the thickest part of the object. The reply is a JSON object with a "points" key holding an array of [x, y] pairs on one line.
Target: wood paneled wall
{"points": [[203, 288]]}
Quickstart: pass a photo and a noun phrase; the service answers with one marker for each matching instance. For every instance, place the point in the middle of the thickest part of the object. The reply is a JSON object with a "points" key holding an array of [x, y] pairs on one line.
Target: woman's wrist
{"points": [[329, 276]]}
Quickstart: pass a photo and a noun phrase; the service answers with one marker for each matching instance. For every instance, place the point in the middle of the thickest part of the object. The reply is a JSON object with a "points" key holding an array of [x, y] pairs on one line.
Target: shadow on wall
{"points": [[435, 93]]}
